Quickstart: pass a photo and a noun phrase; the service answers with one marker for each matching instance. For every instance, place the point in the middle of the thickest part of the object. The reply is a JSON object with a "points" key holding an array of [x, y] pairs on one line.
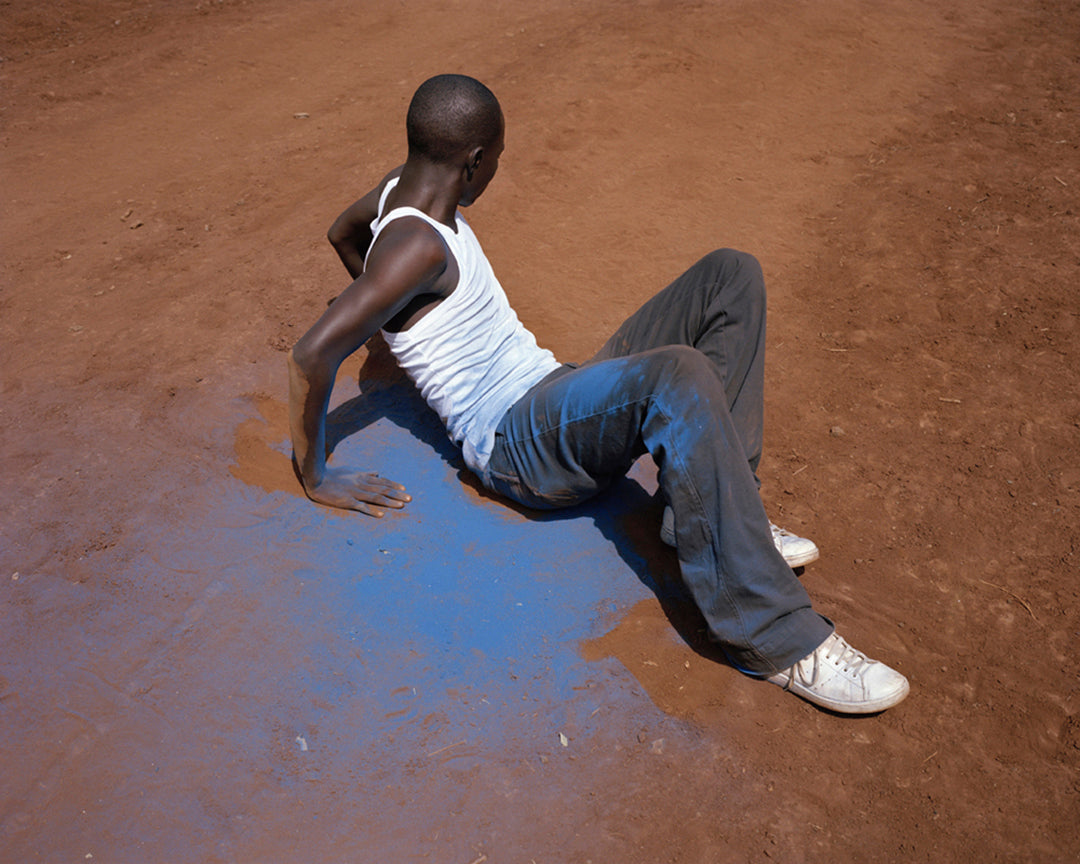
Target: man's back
{"points": [[469, 354]]}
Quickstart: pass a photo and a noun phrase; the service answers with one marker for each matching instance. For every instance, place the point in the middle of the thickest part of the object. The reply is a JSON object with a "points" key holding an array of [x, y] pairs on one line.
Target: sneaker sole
{"points": [[802, 560], [871, 707]]}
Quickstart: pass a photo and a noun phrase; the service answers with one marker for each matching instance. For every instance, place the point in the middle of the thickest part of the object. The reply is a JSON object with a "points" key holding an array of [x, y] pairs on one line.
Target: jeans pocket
{"points": [[509, 486]]}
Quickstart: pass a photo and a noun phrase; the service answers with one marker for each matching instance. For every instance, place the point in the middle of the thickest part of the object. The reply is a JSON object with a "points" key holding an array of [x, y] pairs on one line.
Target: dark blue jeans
{"points": [[682, 379]]}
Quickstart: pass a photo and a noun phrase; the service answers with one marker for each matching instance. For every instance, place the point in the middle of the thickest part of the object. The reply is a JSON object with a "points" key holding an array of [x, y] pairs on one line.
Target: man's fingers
{"points": [[382, 481], [364, 507], [386, 491], [369, 499], [394, 498]]}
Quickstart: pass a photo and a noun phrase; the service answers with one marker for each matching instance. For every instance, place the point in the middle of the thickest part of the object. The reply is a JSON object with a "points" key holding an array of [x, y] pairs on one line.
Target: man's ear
{"points": [[476, 156]]}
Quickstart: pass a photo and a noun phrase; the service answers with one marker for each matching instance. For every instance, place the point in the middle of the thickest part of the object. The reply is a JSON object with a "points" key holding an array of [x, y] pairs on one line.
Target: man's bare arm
{"points": [[350, 235], [409, 259]]}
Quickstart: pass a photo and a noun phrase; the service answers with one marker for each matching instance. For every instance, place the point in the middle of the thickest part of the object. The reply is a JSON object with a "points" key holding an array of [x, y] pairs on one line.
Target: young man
{"points": [[682, 379]]}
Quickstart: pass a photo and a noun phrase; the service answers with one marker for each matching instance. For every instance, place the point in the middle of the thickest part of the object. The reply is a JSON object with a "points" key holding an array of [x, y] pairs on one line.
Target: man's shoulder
{"points": [[411, 228], [410, 243]]}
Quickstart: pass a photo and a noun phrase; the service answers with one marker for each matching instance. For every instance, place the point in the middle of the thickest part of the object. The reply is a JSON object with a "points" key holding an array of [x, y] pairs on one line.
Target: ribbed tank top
{"points": [[470, 356]]}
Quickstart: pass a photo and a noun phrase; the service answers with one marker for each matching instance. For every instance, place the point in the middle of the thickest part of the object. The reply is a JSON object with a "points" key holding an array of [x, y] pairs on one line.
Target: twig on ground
{"points": [[447, 747], [1016, 596]]}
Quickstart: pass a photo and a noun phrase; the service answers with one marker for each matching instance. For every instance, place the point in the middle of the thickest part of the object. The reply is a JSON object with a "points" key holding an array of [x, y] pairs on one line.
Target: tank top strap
{"points": [[447, 233]]}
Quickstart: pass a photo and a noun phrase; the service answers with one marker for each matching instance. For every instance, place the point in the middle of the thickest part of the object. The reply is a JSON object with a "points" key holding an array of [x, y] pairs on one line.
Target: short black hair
{"points": [[449, 114]]}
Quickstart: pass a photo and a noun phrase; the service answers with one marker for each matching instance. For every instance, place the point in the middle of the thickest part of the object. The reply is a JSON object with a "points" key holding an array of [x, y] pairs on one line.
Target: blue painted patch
{"points": [[256, 650], [455, 620]]}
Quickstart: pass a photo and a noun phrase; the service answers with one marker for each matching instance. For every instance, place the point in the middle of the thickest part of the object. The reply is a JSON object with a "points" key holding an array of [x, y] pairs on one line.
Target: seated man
{"points": [[682, 379]]}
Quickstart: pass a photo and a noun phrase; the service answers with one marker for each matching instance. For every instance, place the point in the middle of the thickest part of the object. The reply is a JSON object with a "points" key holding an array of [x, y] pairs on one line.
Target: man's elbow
{"points": [[317, 355], [305, 357], [339, 234]]}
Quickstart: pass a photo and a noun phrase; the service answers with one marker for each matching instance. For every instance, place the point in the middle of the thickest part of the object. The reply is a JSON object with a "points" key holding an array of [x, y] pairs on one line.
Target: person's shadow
{"points": [[626, 514]]}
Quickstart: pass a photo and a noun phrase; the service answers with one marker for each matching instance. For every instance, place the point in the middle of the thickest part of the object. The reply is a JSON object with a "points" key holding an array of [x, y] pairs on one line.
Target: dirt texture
{"points": [[907, 172]]}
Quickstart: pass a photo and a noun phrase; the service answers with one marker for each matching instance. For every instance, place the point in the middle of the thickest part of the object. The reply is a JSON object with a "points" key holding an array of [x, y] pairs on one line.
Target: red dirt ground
{"points": [[908, 173]]}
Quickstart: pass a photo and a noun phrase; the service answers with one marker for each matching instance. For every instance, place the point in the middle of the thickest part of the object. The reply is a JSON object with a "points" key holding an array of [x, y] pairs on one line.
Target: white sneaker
{"points": [[667, 527], [839, 678], [797, 551]]}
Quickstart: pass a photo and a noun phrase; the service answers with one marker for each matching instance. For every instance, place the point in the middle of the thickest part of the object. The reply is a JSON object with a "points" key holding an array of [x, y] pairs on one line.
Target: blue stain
{"points": [[255, 643], [456, 619]]}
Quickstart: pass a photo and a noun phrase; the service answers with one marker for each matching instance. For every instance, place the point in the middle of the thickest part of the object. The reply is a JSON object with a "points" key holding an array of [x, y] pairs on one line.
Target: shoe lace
{"points": [[847, 658], [782, 534], [839, 654]]}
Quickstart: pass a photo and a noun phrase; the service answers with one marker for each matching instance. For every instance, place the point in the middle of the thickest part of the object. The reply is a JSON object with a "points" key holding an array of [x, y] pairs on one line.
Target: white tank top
{"points": [[470, 356]]}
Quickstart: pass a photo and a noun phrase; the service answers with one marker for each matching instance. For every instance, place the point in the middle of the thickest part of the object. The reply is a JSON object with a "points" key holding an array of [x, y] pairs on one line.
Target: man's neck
{"points": [[431, 189]]}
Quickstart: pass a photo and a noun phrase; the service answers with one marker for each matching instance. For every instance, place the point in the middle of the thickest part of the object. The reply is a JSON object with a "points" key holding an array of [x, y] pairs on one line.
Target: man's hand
{"points": [[358, 490]]}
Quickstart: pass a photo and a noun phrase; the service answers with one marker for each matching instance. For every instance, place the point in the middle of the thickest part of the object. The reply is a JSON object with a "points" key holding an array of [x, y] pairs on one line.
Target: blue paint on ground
{"points": [[272, 659], [453, 622]]}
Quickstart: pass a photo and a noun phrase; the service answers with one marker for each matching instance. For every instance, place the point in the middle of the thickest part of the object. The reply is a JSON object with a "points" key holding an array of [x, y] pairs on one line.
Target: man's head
{"points": [[450, 114], [455, 120]]}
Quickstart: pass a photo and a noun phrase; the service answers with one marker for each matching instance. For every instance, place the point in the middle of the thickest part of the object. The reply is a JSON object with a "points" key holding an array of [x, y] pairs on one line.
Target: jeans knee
{"points": [[740, 271], [686, 368], [733, 259]]}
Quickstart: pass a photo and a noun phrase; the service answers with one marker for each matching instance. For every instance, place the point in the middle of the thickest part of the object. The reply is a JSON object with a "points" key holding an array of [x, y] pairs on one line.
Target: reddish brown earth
{"points": [[908, 173]]}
